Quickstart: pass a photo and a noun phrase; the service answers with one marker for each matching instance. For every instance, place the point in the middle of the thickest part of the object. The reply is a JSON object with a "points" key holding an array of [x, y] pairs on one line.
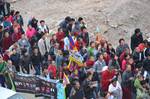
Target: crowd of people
{"points": [[112, 73]]}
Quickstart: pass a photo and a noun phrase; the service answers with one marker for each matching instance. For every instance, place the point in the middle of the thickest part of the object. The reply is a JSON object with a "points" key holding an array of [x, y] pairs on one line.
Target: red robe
{"points": [[16, 37], [106, 77], [107, 59], [60, 37], [6, 43]]}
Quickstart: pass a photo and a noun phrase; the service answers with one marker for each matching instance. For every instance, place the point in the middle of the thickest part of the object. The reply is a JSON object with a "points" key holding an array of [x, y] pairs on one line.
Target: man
{"points": [[136, 39], [66, 42], [18, 18], [76, 91], [146, 63], [64, 24], [137, 56], [24, 43], [70, 25], [1, 34], [2, 70], [100, 63], [92, 49], [115, 90], [15, 58], [78, 25], [88, 87], [122, 46], [44, 45], [127, 78], [43, 28], [84, 35]]}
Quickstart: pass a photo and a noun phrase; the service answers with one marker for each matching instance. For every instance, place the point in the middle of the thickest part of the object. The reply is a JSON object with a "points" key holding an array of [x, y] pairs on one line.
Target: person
{"points": [[43, 28], [106, 77], [124, 62], [78, 24], [34, 23], [15, 58], [30, 32], [106, 58], [60, 36], [115, 89], [24, 43], [91, 49], [6, 23], [1, 34], [136, 39], [84, 35], [138, 56], [70, 25], [52, 70], [76, 91], [66, 42], [6, 42], [2, 70], [16, 35], [127, 78], [25, 61], [79, 43], [114, 62], [141, 87], [45, 73], [36, 60], [11, 67], [44, 45], [64, 24], [146, 64], [88, 87], [99, 64], [18, 18], [122, 46]]}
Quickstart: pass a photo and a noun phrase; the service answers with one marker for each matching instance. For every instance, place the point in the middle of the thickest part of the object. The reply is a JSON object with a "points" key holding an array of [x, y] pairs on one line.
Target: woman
{"points": [[124, 62], [30, 32]]}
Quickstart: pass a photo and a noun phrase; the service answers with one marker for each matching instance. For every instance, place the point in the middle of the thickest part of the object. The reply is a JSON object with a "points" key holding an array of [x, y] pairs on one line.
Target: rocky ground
{"points": [[115, 18]]}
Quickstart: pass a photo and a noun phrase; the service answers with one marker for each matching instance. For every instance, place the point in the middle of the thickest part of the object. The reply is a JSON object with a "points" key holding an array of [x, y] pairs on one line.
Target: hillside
{"points": [[115, 18]]}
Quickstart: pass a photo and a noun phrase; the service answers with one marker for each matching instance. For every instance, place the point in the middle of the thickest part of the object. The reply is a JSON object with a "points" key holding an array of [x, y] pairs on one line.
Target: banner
{"points": [[46, 88], [25, 83], [36, 85]]}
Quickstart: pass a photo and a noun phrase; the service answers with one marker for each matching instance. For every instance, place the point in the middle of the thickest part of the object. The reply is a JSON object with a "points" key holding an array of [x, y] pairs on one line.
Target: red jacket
{"points": [[52, 70]]}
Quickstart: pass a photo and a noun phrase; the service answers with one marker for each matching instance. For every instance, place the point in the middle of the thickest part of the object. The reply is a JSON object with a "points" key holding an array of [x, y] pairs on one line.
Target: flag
{"points": [[65, 80], [72, 44]]}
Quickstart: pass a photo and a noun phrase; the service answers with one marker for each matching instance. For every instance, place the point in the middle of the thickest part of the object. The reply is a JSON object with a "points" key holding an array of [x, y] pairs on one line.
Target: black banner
{"points": [[36, 85]]}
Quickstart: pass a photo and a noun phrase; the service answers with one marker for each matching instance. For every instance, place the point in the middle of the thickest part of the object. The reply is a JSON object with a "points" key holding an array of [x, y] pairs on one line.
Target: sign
{"points": [[36, 85], [25, 83], [46, 88]]}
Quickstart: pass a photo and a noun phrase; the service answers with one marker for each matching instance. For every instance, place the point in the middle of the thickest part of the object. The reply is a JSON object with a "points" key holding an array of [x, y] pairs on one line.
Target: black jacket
{"points": [[135, 41], [146, 64]]}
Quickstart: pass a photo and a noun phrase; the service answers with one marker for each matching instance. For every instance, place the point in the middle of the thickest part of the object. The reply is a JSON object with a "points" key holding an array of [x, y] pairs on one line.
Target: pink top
{"points": [[30, 32], [123, 65]]}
